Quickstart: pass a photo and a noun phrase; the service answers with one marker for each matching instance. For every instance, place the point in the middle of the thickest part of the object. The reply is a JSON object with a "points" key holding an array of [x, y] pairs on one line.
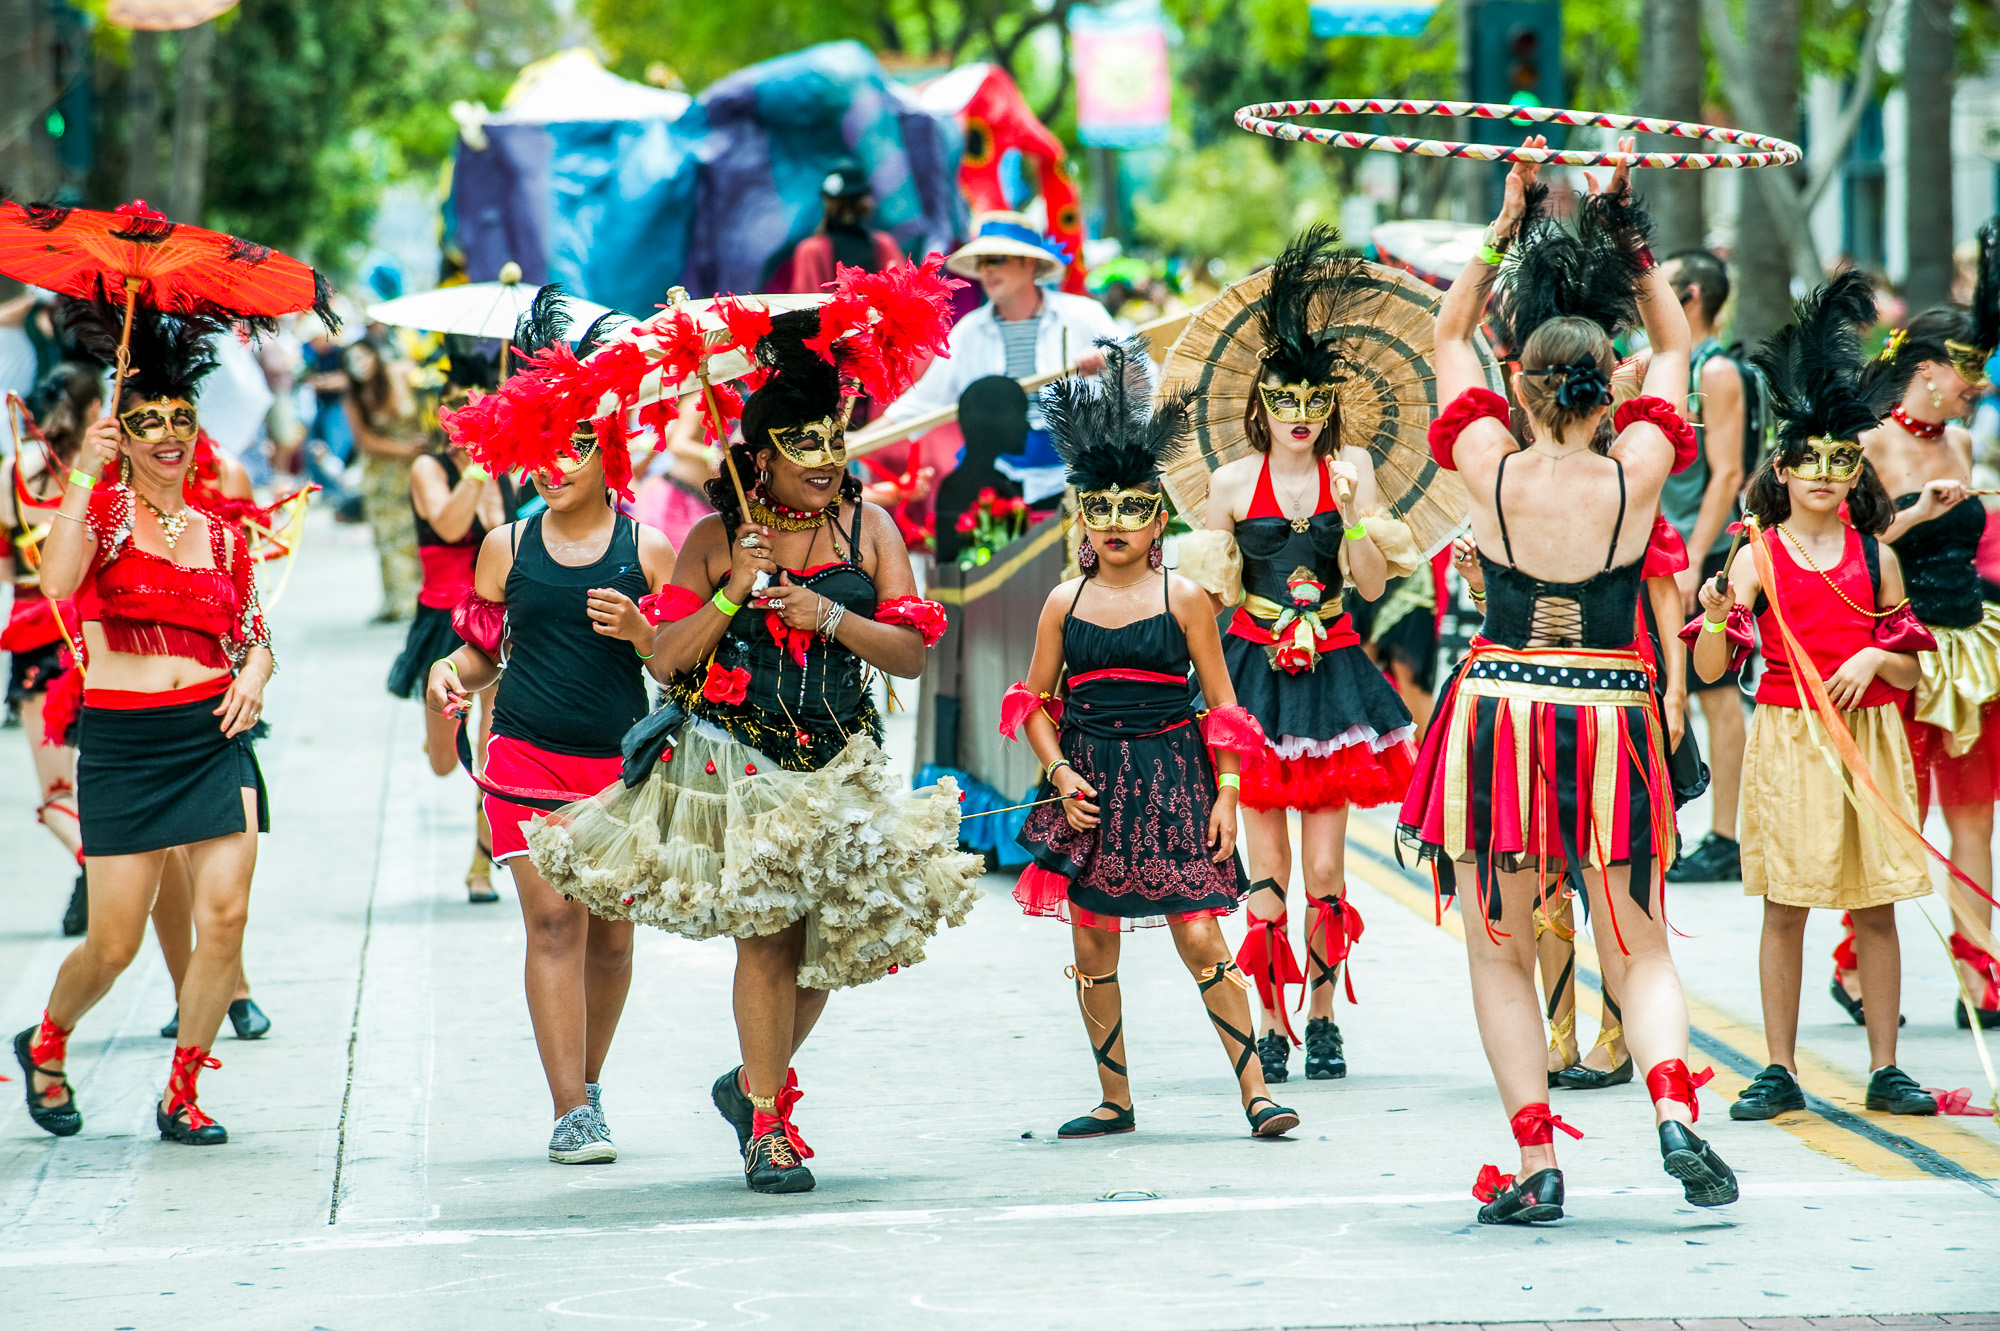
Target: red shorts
{"points": [[513, 762]]}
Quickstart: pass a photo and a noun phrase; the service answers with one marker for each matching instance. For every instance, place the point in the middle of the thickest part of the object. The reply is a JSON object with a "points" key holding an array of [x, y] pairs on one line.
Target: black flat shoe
{"points": [[248, 1019], [1775, 1091], [1894, 1090], [771, 1165], [1325, 1057], [732, 1104], [1580, 1077], [180, 1129], [1534, 1200], [61, 1120], [1273, 1051], [172, 1030], [76, 916], [1272, 1121], [1705, 1180], [1852, 1005], [1092, 1126], [1989, 1017]]}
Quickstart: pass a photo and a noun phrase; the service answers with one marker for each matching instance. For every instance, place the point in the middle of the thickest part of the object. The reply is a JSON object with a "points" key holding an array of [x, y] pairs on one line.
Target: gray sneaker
{"points": [[596, 1094], [578, 1139]]}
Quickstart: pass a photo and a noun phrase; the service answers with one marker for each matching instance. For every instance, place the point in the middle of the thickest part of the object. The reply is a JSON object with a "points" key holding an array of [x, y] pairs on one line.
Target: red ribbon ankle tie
{"points": [[188, 1063], [1536, 1125], [761, 1122], [1267, 958], [1339, 923], [1844, 957], [1965, 950], [50, 1045], [1671, 1080]]}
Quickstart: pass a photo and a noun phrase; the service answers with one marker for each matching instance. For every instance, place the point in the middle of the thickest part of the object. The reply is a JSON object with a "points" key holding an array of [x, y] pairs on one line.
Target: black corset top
{"points": [[1598, 613], [1938, 573]]}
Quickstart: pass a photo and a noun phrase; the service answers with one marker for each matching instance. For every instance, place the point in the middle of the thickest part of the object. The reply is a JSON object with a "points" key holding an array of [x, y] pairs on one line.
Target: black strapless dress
{"points": [[1955, 709], [1129, 728]]}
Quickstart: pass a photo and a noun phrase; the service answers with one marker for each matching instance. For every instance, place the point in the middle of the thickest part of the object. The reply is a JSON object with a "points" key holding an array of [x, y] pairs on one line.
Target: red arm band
{"points": [[926, 617], [1666, 552], [1901, 631], [1467, 407], [1021, 702], [669, 605], [1660, 412], [1742, 640], [480, 622], [1234, 729]]}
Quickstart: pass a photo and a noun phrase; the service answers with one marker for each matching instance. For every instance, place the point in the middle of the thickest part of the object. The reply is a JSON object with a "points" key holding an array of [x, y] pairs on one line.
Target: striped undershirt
{"points": [[1018, 336]]}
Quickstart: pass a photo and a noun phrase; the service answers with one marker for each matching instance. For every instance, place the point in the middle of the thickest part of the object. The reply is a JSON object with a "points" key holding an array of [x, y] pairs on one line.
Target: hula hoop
{"points": [[1269, 119]]}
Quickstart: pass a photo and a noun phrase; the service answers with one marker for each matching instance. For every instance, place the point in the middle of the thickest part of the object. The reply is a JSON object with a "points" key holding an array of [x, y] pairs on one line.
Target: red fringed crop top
{"points": [[150, 606]]}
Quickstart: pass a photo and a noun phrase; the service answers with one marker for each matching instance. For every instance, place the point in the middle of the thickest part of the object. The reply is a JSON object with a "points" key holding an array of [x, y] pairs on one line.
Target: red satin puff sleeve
{"points": [[1901, 631], [926, 617], [1666, 552], [1021, 702], [1469, 406], [480, 622], [1232, 728], [1660, 412], [669, 605], [1737, 628]]}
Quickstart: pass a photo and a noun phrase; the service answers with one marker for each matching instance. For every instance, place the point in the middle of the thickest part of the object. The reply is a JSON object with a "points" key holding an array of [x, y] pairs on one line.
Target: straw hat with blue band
{"points": [[1009, 235]]}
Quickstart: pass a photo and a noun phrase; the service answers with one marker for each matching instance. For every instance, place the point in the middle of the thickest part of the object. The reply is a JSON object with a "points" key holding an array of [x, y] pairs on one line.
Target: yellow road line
{"points": [[1968, 1149]]}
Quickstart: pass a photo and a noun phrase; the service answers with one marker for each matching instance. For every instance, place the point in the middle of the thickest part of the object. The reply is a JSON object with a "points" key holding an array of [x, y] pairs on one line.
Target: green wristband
{"points": [[1356, 532], [1491, 257], [724, 604], [1228, 781]]}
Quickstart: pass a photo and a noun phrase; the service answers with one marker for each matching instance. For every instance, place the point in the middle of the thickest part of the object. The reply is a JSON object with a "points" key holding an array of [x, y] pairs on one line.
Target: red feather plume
{"points": [[879, 329]]}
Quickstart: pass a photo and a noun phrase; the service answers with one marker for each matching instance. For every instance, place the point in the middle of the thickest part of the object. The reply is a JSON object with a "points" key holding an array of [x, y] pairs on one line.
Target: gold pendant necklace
{"points": [[765, 517], [171, 524]]}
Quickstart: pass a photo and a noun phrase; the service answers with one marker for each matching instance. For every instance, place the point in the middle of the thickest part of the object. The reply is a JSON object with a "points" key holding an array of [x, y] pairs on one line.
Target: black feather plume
{"points": [[1594, 272], [1308, 283], [803, 387], [1814, 365], [169, 356], [1107, 430], [1986, 288], [545, 323]]}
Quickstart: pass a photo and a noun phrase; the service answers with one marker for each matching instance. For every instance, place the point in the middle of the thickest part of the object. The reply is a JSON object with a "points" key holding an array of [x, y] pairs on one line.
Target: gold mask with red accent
{"points": [[820, 443], [1119, 510], [1298, 404]]}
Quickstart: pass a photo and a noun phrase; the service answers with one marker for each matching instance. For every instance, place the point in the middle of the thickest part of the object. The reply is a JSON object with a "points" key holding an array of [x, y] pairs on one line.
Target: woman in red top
{"points": [[1840, 591], [178, 656], [57, 412]]}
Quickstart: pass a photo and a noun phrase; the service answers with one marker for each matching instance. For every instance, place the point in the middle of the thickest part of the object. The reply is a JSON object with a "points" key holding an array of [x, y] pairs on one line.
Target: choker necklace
{"points": [[767, 512], [171, 524], [1921, 429]]}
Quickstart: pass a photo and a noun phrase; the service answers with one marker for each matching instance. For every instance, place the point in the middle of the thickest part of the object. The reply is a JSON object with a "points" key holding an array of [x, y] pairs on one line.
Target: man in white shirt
{"points": [[1024, 329]]}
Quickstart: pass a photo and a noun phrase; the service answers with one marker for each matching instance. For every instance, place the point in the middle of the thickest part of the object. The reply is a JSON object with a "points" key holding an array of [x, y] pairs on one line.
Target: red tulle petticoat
{"points": [[1966, 782], [1045, 892], [1352, 774]]}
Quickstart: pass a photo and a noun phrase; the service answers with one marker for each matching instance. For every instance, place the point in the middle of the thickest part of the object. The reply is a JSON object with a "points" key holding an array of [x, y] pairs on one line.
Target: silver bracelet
{"points": [[830, 621]]}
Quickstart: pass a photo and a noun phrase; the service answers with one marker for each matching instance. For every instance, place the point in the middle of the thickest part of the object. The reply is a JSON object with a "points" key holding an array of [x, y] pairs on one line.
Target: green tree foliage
{"points": [[318, 106]]}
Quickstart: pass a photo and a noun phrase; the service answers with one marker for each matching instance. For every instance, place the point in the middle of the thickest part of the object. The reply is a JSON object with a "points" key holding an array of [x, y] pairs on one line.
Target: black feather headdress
{"points": [[1594, 272], [1108, 431], [545, 323], [1814, 366], [1986, 289], [169, 356], [1307, 282], [802, 386]]}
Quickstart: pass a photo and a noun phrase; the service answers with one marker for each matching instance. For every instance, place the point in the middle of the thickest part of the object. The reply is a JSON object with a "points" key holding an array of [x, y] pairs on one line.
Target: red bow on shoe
{"points": [[1965, 950], [761, 1122], [1491, 1183]]}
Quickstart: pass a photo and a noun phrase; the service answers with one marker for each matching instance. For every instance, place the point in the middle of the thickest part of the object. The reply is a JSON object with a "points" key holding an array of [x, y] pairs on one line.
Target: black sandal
{"points": [[1273, 1122], [1534, 1200], [63, 1120], [482, 859], [1090, 1125]]}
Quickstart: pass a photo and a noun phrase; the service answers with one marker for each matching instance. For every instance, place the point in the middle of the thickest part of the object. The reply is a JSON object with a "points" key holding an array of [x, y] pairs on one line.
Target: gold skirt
{"points": [[1804, 842], [719, 840], [1960, 678]]}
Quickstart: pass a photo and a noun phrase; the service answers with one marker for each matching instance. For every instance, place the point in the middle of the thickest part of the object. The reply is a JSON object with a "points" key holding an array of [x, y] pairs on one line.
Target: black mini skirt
{"points": [[155, 777]]}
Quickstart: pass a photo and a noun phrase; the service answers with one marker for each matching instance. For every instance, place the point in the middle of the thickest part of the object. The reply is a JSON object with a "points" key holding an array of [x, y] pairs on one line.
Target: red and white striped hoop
{"points": [[1271, 119]]}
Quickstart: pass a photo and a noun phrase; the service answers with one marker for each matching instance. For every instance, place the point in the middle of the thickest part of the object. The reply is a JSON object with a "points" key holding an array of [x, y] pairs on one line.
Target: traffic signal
{"points": [[1516, 50]]}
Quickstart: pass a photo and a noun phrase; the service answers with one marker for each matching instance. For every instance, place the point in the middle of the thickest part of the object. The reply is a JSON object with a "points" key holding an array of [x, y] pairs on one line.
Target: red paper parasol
{"points": [[137, 256]]}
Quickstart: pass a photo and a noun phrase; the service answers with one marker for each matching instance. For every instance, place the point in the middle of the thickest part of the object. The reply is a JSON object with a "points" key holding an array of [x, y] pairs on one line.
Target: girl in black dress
{"points": [[1141, 824]]}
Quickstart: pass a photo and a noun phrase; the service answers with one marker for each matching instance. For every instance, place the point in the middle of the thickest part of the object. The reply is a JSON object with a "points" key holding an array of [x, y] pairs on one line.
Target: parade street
{"points": [[387, 1166]]}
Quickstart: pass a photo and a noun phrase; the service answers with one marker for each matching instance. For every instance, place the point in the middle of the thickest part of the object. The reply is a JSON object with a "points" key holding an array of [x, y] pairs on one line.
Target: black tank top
{"points": [[1126, 708], [1598, 613], [568, 688], [1939, 576], [427, 535]]}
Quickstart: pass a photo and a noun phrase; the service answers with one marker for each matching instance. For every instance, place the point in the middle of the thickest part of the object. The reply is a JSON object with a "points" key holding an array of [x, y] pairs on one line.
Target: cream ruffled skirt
{"points": [[719, 840]]}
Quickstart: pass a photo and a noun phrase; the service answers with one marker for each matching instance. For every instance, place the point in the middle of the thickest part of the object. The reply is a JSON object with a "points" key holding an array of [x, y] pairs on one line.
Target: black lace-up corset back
{"points": [[1597, 613]]}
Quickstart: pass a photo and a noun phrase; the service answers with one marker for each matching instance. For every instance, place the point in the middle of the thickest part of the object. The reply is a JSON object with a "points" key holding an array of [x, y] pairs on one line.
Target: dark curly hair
{"points": [[1869, 508]]}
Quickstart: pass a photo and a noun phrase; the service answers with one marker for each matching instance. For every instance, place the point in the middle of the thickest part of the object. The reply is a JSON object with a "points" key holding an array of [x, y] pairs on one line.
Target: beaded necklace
{"points": [[1872, 614]]}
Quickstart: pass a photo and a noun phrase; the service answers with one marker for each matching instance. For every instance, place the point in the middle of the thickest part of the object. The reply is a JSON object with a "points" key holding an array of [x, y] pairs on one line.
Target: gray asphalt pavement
{"points": [[387, 1164]]}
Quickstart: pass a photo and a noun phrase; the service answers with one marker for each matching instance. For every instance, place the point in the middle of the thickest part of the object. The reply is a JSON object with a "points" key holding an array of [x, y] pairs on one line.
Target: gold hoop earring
{"points": [[1937, 398]]}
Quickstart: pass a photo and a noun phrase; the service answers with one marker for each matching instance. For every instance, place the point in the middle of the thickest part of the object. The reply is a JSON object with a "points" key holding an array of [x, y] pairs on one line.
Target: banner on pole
{"points": [[1124, 97], [1370, 18]]}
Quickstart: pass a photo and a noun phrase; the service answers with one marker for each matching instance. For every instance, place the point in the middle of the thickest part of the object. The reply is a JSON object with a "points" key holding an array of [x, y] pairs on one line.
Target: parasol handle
{"points": [[132, 285], [728, 454], [506, 345], [1722, 574], [1342, 492]]}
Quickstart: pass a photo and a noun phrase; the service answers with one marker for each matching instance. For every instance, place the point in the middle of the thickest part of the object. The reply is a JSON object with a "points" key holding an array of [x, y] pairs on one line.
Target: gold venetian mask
{"points": [[1298, 404], [820, 443], [585, 444], [161, 419], [1119, 510], [1834, 460], [1969, 361]]}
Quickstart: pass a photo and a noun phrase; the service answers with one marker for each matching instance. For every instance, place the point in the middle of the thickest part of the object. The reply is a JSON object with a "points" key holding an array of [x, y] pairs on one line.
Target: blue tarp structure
{"points": [[621, 210]]}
